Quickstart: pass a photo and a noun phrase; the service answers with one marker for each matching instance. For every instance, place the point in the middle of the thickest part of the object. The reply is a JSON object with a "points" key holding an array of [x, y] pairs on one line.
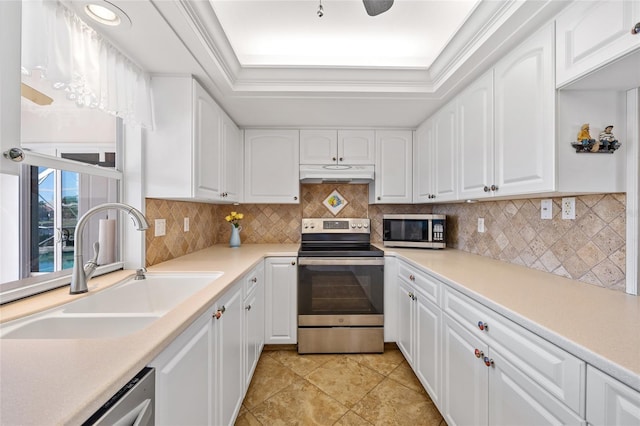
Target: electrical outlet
{"points": [[186, 224], [546, 209], [569, 208], [481, 224], [160, 227]]}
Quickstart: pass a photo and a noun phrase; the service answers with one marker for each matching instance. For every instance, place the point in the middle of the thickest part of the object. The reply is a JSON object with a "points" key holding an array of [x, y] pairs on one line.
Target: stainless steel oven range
{"points": [[340, 288]]}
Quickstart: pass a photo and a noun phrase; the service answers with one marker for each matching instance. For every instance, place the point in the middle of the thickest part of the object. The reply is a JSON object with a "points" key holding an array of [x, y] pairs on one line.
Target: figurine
{"points": [[585, 138], [608, 140]]}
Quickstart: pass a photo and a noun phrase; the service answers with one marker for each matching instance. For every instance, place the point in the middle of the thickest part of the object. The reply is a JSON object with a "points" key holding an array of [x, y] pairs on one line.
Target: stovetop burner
{"points": [[337, 238]]}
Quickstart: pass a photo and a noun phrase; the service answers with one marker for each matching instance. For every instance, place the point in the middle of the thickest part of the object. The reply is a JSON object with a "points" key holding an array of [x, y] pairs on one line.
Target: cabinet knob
{"points": [[254, 279], [636, 29], [341, 159], [410, 294], [295, 198], [488, 362], [412, 278], [478, 353], [219, 312], [494, 188], [483, 326], [248, 308], [486, 188], [379, 198], [293, 262], [333, 158]]}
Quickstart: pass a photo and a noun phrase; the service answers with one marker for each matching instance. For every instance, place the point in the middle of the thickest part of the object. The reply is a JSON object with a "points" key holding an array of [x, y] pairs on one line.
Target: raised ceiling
{"points": [[276, 64]]}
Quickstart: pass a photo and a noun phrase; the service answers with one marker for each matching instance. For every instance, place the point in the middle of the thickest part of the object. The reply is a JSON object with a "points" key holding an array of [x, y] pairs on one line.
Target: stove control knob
{"points": [[359, 225], [365, 226], [353, 225]]}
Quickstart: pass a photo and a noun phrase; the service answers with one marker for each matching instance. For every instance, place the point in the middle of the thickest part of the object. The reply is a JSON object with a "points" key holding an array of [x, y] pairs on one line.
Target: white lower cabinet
{"points": [[202, 376], [610, 402], [281, 300], [419, 326], [254, 320], [185, 376], [481, 368]]}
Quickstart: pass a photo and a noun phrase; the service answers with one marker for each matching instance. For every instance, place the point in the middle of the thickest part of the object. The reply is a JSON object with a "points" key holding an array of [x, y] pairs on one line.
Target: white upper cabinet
{"points": [[272, 166], [434, 159], [444, 152], [326, 147], [393, 168], [525, 111], [591, 34], [423, 164], [475, 139], [195, 148], [356, 147]]}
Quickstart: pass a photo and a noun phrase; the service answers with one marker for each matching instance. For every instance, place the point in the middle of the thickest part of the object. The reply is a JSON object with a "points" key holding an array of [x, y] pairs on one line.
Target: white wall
{"points": [[10, 21]]}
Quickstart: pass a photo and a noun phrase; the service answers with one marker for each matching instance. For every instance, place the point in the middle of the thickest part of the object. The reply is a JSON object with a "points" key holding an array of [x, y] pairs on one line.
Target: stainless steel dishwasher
{"points": [[133, 405]]}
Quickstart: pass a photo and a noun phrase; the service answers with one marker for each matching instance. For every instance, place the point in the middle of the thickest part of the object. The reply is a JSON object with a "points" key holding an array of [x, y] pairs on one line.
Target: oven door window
{"points": [[340, 289], [406, 230]]}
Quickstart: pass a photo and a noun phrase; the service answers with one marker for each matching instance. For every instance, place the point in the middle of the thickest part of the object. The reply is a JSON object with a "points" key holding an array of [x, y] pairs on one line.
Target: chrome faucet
{"points": [[80, 274]]}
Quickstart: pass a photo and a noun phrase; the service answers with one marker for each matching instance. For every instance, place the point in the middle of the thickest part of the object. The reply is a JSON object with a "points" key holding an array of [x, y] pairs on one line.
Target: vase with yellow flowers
{"points": [[234, 219]]}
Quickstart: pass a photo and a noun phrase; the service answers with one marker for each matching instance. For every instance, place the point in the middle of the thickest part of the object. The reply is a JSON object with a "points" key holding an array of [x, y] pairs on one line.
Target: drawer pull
{"points": [[219, 312], [483, 326], [488, 362], [412, 278], [254, 279], [479, 353], [248, 308]]}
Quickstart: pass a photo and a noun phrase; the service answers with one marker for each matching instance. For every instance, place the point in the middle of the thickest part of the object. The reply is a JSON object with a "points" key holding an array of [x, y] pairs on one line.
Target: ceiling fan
{"points": [[34, 95], [376, 7], [373, 7]]}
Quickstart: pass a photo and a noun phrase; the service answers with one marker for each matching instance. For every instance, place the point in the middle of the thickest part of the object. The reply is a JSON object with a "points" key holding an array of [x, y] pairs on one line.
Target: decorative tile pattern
{"points": [[590, 248], [350, 389]]}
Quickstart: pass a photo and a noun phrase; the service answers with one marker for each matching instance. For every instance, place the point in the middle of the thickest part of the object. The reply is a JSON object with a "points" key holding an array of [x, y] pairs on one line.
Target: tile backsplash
{"points": [[590, 248]]}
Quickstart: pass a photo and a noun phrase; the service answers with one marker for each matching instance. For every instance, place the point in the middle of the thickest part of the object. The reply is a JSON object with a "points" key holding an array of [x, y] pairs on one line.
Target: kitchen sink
{"points": [[157, 294], [122, 309], [74, 327]]}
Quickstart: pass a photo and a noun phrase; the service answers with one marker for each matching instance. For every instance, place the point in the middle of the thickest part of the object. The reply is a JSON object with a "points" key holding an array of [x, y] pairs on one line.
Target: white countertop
{"points": [[65, 381]]}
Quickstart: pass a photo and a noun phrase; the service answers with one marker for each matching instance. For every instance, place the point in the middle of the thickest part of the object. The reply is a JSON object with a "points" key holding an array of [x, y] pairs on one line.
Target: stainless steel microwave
{"points": [[414, 230]]}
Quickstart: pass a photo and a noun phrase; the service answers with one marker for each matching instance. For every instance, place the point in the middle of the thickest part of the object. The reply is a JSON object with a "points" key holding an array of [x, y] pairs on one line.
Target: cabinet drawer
{"points": [[253, 279], [555, 370], [429, 286]]}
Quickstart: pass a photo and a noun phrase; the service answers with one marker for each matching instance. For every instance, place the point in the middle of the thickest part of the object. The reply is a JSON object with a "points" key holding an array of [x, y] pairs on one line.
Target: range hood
{"points": [[337, 173]]}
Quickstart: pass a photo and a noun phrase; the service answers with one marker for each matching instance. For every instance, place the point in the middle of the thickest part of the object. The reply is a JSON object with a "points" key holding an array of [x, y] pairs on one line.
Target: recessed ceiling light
{"points": [[106, 13]]}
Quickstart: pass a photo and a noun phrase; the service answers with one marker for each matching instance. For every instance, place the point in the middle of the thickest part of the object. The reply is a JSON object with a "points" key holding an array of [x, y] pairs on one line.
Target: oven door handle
{"points": [[340, 261]]}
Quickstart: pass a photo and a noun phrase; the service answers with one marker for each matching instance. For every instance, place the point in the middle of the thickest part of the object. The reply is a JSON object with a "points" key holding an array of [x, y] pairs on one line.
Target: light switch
{"points": [[186, 224], [481, 224], [546, 209]]}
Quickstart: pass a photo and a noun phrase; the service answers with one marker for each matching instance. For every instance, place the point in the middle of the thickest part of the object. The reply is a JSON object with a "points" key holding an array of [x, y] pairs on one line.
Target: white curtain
{"points": [[78, 60]]}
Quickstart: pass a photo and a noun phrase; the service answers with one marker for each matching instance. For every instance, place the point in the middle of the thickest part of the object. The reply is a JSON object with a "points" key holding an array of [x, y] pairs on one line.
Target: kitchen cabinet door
{"points": [[254, 321], [233, 164], [592, 34], [465, 380], [475, 139], [393, 169], [356, 147], [427, 345], [207, 145], [184, 377], [525, 117], [610, 402], [228, 380], [281, 300], [318, 147], [515, 399], [423, 164], [405, 318], [444, 154], [272, 166]]}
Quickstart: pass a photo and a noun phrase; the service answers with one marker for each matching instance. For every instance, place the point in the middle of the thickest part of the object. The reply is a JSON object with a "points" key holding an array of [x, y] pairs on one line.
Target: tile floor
{"points": [[352, 389]]}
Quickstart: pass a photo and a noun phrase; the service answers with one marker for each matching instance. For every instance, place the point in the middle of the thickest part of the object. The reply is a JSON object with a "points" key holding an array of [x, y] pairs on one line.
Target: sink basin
{"points": [[72, 327], [158, 294], [117, 311]]}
